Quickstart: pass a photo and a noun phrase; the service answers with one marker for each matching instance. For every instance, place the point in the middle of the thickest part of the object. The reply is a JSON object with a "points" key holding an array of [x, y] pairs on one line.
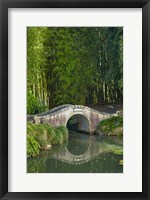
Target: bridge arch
{"points": [[82, 120], [60, 115]]}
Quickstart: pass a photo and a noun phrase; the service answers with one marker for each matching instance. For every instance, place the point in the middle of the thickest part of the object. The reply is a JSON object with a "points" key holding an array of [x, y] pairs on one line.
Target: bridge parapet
{"points": [[61, 114]]}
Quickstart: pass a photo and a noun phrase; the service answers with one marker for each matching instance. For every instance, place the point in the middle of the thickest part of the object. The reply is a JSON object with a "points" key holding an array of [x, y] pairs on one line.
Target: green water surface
{"points": [[81, 154]]}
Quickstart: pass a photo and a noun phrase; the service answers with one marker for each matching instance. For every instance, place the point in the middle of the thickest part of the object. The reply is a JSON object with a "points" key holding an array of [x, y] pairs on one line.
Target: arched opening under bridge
{"points": [[78, 122]]}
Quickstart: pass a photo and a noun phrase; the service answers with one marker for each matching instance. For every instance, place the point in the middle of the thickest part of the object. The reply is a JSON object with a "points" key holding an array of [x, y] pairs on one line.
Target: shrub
{"points": [[64, 131], [33, 146], [31, 129], [111, 126], [58, 139], [39, 133], [34, 106], [43, 135], [50, 132]]}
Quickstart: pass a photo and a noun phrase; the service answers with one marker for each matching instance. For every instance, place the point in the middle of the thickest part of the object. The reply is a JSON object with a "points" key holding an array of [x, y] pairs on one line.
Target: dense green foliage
{"points": [[34, 106], [111, 126], [43, 136], [63, 130], [74, 65], [32, 146], [118, 152]]}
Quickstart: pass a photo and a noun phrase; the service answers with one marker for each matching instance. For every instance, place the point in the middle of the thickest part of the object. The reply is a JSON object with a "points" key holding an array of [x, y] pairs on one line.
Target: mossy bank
{"points": [[43, 137], [111, 126]]}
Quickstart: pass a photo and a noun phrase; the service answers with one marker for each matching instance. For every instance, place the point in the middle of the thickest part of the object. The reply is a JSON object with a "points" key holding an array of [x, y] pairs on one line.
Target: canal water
{"points": [[81, 154]]}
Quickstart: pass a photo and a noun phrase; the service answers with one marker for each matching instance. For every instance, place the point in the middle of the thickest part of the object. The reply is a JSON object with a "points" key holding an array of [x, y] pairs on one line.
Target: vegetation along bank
{"points": [[111, 126], [43, 137]]}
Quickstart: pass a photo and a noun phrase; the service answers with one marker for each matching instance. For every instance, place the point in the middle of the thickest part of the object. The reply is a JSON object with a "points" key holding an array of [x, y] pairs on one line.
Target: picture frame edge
{"points": [[4, 194]]}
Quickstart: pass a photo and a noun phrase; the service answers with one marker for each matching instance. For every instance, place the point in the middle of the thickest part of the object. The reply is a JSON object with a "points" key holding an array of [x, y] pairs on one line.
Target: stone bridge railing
{"points": [[88, 117]]}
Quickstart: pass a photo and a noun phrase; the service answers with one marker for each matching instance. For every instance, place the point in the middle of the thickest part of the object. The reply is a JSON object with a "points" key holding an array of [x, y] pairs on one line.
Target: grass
{"points": [[111, 126]]}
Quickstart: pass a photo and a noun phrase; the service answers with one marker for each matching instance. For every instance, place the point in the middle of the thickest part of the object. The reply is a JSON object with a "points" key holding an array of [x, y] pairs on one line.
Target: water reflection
{"points": [[82, 148], [83, 153]]}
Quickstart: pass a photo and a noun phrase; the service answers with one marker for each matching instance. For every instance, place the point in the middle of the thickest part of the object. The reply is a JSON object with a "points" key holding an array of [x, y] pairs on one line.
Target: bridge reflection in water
{"points": [[81, 152], [83, 148]]}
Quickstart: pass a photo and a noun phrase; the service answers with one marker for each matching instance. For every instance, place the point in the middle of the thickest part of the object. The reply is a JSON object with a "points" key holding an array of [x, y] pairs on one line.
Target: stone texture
{"points": [[88, 118]]}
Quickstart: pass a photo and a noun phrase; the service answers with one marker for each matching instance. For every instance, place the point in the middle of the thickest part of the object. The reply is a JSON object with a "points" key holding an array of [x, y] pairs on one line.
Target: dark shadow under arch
{"points": [[78, 122]]}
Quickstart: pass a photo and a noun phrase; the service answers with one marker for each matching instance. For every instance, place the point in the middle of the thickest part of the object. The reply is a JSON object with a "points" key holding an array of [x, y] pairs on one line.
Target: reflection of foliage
{"points": [[36, 165], [101, 157], [114, 139], [45, 136], [111, 126], [104, 163]]}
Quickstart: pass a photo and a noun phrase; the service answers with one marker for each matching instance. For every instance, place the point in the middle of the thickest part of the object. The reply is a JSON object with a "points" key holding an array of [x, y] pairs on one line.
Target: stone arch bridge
{"points": [[88, 118]]}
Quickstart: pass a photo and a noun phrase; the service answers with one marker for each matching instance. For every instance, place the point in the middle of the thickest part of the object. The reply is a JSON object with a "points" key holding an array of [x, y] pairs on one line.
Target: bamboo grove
{"points": [[76, 65]]}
